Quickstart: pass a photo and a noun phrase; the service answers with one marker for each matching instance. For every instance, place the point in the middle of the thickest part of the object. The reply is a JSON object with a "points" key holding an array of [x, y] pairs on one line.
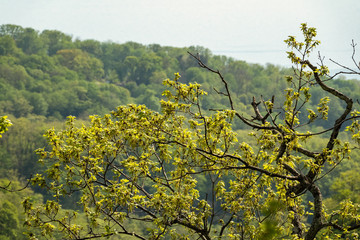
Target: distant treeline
{"points": [[48, 73]]}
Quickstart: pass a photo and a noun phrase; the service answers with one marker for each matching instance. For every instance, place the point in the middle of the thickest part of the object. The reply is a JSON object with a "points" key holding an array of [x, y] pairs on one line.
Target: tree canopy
{"points": [[49, 74], [185, 173]]}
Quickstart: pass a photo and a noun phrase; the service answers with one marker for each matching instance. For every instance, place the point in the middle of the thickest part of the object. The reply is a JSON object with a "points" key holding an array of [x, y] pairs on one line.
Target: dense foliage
{"points": [[51, 75], [185, 165]]}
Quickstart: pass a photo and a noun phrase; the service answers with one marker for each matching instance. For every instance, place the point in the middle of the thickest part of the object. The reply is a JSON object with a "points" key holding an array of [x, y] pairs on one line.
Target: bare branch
{"points": [[7, 187]]}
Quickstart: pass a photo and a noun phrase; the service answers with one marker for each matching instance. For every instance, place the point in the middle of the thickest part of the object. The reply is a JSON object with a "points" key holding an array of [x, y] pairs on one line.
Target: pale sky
{"points": [[251, 30]]}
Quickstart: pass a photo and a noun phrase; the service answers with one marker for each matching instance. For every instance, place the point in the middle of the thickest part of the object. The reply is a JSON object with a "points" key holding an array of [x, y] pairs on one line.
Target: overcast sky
{"points": [[251, 30]]}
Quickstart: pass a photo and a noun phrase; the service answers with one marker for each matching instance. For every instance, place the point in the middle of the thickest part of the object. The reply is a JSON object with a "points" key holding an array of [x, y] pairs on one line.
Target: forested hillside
{"points": [[47, 76], [50, 74]]}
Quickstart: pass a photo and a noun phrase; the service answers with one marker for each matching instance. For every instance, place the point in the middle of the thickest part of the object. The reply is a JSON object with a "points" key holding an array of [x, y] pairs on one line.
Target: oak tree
{"points": [[184, 173]]}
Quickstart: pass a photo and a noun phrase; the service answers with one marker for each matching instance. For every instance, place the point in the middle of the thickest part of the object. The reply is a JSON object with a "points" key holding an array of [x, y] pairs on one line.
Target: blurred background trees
{"points": [[47, 76]]}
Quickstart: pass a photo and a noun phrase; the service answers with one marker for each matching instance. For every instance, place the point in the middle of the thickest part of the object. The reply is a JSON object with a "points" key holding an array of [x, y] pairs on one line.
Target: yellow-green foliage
{"points": [[185, 173]]}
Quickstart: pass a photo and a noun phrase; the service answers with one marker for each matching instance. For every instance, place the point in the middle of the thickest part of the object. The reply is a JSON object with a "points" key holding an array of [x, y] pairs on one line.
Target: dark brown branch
{"points": [[297, 229], [6, 188], [133, 182], [350, 71], [202, 65], [341, 228], [353, 45], [306, 152], [225, 225], [125, 232], [255, 105], [228, 94], [246, 165], [258, 115], [203, 233], [317, 222], [338, 123], [357, 65]]}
